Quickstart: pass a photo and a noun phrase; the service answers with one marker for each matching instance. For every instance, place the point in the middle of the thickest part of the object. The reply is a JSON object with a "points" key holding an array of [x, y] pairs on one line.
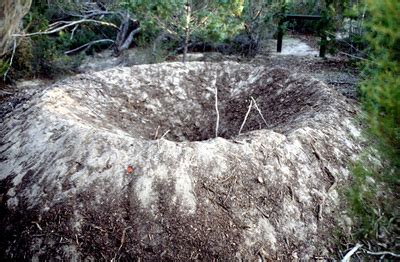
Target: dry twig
{"points": [[259, 111], [164, 134], [122, 242], [381, 253], [245, 118], [87, 45], [156, 134], [216, 109], [351, 252]]}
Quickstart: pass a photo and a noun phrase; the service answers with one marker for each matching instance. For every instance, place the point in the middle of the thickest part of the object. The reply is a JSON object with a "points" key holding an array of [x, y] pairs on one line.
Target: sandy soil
{"points": [[123, 164]]}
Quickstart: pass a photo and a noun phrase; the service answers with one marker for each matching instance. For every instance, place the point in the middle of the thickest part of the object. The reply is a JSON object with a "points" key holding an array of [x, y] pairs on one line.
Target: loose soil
{"points": [[123, 164], [269, 193]]}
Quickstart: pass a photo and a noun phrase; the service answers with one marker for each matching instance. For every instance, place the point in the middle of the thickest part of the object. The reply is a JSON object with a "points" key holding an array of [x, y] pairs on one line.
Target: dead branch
{"points": [[162, 137], [340, 83], [245, 118], [156, 134], [73, 32], [69, 24], [122, 242], [381, 253], [5, 93], [123, 30], [124, 37], [347, 43], [259, 111], [87, 45], [216, 109], [353, 56], [94, 13], [351, 252], [129, 39]]}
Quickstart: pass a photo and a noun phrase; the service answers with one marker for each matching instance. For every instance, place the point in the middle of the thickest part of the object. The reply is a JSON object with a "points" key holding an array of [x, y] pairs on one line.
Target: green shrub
{"points": [[213, 22], [4, 64], [374, 195]]}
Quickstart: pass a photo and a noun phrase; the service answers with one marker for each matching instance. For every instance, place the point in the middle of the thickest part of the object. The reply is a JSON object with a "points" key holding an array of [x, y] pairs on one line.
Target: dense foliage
{"points": [[375, 193], [166, 26], [210, 19]]}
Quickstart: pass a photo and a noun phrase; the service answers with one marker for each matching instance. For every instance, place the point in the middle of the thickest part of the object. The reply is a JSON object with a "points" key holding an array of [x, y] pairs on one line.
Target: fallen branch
{"points": [[351, 252], [73, 32], [245, 118], [122, 242], [66, 26], [93, 13], [162, 137], [353, 56], [5, 93], [216, 109], [259, 111], [347, 43], [129, 39], [340, 83], [382, 253], [156, 135], [87, 45]]}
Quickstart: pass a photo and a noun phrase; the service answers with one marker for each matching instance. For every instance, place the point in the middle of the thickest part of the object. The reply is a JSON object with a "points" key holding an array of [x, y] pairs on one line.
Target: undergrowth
{"points": [[374, 194]]}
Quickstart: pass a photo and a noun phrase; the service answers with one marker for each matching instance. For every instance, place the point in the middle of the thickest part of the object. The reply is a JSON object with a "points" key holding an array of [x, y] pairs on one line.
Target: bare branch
{"points": [[353, 56], [122, 242], [73, 32], [129, 39], [66, 26], [89, 45], [259, 111], [216, 109], [382, 253], [162, 137], [347, 43], [123, 30], [351, 252], [245, 118]]}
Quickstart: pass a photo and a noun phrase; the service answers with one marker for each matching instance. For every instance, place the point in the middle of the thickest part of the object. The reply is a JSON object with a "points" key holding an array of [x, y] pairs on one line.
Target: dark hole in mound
{"points": [[271, 107], [185, 109]]}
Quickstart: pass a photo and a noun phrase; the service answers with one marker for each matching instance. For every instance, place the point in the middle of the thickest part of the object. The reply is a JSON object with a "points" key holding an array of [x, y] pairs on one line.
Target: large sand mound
{"points": [[124, 164]]}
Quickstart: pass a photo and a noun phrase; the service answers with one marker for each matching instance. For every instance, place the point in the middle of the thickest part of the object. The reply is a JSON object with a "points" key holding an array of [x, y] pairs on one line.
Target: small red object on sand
{"points": [[130, 170]]}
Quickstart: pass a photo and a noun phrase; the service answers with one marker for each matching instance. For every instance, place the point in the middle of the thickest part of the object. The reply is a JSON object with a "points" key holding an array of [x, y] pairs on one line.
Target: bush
{"points": [[43, 55], [374, 195], [213, 21]]}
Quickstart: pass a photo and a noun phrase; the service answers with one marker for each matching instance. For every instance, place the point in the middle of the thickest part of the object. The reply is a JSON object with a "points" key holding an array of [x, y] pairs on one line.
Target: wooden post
{"points": [[280, 37], [322, 49]]}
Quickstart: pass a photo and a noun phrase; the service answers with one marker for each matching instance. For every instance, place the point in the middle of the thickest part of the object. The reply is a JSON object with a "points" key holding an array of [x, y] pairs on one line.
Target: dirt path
{"points": [[300, 55]]}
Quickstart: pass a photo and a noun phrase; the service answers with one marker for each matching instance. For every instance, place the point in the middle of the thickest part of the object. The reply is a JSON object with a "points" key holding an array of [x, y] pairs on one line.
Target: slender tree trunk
{"points": [[187, 30]]}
